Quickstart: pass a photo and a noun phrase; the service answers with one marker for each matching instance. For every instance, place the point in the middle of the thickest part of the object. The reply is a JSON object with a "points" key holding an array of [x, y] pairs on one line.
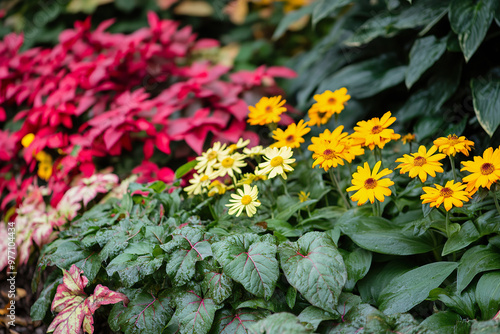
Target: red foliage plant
{"points": [[98, 94]]}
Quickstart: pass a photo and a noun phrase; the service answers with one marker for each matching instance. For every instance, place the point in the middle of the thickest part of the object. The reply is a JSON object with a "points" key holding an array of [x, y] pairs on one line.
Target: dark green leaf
{"points": [[217, 286], [42, 304], [314, 266], [249, 260], [90, 266], [467, 235], [279, 323], [184, 169], [195, 314], [287, 212], [485, 327], [290, 18], [357, 264], [488, 294], [381, 236], [476, 260], [441, 323], [486, 101], [227, 322], [470, 19], [423, 54], [464, 303], [68, 253], [291, 296], [283, 227], [314, 316], [326, 7], [413, 287]]}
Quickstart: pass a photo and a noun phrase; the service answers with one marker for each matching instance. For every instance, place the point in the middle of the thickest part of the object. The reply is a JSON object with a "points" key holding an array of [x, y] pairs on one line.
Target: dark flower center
{"points": [[446, 192], [370, 183], [487, 168], [419, 161]]}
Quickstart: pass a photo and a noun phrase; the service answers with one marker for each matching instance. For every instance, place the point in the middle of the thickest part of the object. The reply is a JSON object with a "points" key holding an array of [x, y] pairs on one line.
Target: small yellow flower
{"points": [[230, 164], [452, 144], [408, 138], [318, 117], [267, 110], [245, 199], [327, 155], [328, 137], [209, 158], [44, 170], [240, 144], [452, 194], [303, 196], [350, 151], [369, 184], [331, 102], [485, 170], [216, 188], [375, 132], [292, 136], [27, 139], [199, 183], [277, 162], [44, 158], [421, 163]]}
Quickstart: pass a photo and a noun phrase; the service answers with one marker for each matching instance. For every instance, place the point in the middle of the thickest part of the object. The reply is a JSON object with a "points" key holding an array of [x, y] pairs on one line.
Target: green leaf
{"points": [[314, 266], [249, 260], [441, 323], [289, 211], [146, 313], [463, 303], [326, 7], [195, 314], [467, 235], [67, 253], [366, 78], [488, 294], [486, 101], [291, 296], [474, 261], [314, 316], [357, 264], [381, 236], [279, 323], [217, 286], [188, 246], [90, 266], [184, 169], [485, 327], [470, 20], [227, 322], [290, 18], [423, 54], [409, 289], [42, 304], [283, 227]]}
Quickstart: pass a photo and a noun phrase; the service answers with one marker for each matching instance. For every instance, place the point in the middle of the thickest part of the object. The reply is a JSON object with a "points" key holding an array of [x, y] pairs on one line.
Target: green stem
{"points": [[448, 224], [374, 209], [377, 205], [495, 199], [335, 181], [437, 256], [452, 162], [284, 185], [212, 211]]}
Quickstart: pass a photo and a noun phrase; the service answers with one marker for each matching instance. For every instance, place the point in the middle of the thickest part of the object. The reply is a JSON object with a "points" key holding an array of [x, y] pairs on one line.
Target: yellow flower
{"points": [[408, 138], [318, 117], [375, 132], [369, 184], [350, 151], [331, 102], [199, 183], [209, 158], [240, 144], [44, 170], [245, 199], [485, 170], [27, 139], [277, 162], [216, 188], [452, 144], [328, 137], [267, 110], [44, 158], [421, 163], [328, 148], [254, 151], [292, 136], [230, 164], [452, 194], [303, 196]]}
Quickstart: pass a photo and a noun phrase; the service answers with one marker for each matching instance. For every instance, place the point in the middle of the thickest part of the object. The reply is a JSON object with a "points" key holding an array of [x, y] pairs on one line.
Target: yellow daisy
{"points": [[254, 151], [350, 151], [277, 162], [422, 163], [267, 110], [245, 199], [452, 144], [328, 137], [292, 136], [216, 188], [318, 117], [408, 138], [327, 155], [27, 139], [230, 164], [452, 194], [199, 183], [375, 132], [369, 185], [209, 158], [240, 144], [303, 196], [485, 170], [331, 102]]}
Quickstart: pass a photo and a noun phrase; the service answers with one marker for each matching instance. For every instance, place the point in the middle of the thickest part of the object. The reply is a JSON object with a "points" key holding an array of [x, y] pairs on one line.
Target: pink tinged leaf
{"points": [[69, 292], [162, 142], [69, 321], [104, 296], [281, 71], [149, 147], [87, 168], [111, 137], [166, 175]]}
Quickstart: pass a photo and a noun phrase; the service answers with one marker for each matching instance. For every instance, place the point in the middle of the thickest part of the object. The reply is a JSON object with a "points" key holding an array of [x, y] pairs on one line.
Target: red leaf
{"points": [[148, 149], [104, 296], [162, 141]]}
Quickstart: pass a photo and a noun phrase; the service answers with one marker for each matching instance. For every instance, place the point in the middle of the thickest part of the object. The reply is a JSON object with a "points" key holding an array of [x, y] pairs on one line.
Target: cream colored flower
{"points": [[230, 164], [245, 199], [254, 151], [277, 162], [209, 158], [240, 144], [199, 183]]}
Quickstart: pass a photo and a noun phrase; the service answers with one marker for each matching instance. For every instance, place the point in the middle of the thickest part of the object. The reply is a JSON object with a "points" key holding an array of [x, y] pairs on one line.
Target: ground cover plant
{"points": [[264, 241]]}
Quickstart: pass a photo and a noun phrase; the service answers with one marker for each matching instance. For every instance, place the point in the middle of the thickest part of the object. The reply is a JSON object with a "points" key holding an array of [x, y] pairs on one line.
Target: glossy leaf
{"points": [[474, 261], [314, 316], [413, 287], [441, 322], [195, 313], [238, 322], [279, 323], [423, 54], [467, 235], [357, 263], [314, 266], [486, 100], [184, 169], [217, 286], [249, 260], [488, 294], [326, 7], [463, 303]]}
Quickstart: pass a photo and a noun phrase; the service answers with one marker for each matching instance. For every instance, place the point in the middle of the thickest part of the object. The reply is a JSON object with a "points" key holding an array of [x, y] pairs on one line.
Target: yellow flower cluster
{"points": [[45, 160]]}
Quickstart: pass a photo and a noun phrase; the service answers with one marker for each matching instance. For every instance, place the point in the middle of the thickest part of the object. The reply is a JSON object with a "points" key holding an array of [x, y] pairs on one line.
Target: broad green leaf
{"points": [[283, 227], [184, 169], [463, 303], [90, 266], [366, 78], [291, 297], [470, 20], [326, 7], [195, 314], [314, 316], [408, 290], [357, 264], [486, 101], [364, 316], [381, 236], [42, 304], [488, 294], [467, 235], [289, 211], [188, 246], [227, 322], [314, 266], [217, 286], [249, 260], [290, 18], [146, 313], [67, 253], [441, 323], [485, 327], [474, 261], [279, 323], [423, 54]]}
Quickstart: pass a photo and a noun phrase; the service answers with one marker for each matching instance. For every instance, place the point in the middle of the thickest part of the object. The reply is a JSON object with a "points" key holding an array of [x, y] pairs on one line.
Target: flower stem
{"points": [[335, 181], [377, 205], [284, 185], [448, 224], [452, 162], [495, 199]]}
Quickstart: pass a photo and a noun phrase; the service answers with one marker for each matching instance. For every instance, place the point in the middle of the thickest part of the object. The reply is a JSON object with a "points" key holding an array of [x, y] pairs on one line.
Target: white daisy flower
{"points": [[277, 162], [209, 158], [245, 199], [230, 164], [199, 183]]}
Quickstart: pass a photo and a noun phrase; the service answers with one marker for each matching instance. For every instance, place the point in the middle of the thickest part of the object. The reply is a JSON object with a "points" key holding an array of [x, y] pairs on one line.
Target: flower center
{"points": [[321, 114], [377, 129], [370, 183], [204, 178], [329, 154], [212, 155], [227, 162], [269, 109], [446, 192], [331, 100], [487, 168], [453, 139], [276, 161], [290, 138], [419, 161], [245, 200]]}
